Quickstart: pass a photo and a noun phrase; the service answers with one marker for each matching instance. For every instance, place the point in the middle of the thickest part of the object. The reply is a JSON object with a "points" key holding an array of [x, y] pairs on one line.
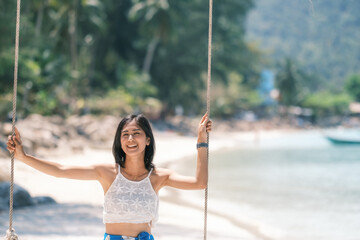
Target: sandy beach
{"points": [[78, 214]]}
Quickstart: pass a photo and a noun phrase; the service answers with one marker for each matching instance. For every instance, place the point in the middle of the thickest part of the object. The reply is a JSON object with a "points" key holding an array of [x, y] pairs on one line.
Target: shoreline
{"points": [[174, 210]]}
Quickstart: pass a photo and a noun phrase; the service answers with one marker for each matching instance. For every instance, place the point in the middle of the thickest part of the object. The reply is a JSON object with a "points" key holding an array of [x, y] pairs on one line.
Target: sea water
{"points": [[292, 187]]}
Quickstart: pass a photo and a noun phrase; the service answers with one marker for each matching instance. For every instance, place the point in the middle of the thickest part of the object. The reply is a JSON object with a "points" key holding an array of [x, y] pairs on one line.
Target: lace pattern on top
{"points": [[129, 201]]}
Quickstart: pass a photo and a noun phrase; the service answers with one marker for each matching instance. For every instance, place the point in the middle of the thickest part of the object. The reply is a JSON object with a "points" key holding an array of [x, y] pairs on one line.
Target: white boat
{"points": [[344, 136]]}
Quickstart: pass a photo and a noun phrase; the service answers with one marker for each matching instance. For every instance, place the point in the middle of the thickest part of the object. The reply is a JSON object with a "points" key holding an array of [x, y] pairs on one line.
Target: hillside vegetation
{"points": [[117, 57], [321, 35]]}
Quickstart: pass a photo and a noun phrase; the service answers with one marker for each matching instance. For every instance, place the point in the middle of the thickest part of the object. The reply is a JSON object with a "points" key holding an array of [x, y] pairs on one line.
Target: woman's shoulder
{"points": [[159, 177], [162, 172], [106, 167]]}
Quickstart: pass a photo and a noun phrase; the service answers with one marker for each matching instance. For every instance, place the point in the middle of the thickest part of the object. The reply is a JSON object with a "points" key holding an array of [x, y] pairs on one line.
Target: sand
{"points": [[78, 214]]}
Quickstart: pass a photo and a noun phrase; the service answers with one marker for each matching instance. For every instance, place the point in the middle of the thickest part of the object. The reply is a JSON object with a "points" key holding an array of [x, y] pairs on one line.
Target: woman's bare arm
{"points": [[200, 180], [14, 145]]}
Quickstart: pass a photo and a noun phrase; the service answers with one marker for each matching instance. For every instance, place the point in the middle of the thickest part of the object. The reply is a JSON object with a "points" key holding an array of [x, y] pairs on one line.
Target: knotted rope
{"points": [[10, 233], [208, 106]]}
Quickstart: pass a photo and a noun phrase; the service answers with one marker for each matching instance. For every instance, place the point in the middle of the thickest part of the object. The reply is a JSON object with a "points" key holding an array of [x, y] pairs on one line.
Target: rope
{"points": [[10, 233], [208, 107]]}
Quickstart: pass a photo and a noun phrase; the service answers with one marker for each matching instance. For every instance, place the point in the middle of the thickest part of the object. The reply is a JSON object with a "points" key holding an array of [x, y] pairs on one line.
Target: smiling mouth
{"points": [[132, 146]]}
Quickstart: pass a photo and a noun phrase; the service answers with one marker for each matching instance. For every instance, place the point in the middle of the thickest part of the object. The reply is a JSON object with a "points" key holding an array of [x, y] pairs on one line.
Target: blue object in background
{"points": [[266, 86]]}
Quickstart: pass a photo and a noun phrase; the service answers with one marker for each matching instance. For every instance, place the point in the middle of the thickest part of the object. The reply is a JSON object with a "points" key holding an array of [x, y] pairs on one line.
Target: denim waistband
{"points": [[141, 236]]}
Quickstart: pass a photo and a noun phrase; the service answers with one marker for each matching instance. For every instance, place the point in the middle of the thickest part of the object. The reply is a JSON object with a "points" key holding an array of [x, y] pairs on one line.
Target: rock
{"points": [[44, 200], [103, 129], [96, 129], [22, 198], [56, 135], [41, 132]]}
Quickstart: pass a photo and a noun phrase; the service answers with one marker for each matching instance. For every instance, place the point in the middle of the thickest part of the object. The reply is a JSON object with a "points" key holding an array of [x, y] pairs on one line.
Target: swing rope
{"points": [[10, 233], [208, 107]]}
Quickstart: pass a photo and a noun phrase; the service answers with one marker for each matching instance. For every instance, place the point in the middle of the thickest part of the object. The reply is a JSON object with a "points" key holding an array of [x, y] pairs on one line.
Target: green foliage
{"points": [[135, 94], [7, 23], [287, 81], [116, 101], [6, 76], [180, 59], [353, 86], [122, 56], [5, 106], [326, 103], [45, 103], [120, 102], [234, 98], [324, 39], [294, 84]]}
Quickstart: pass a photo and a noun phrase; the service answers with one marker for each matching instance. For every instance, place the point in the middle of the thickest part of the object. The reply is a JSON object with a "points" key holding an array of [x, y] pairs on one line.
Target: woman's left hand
{"points": [[204, 127]]}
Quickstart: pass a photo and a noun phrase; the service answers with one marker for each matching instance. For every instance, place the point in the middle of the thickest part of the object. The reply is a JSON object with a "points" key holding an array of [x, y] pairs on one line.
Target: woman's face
{"points": [[133, 139]]}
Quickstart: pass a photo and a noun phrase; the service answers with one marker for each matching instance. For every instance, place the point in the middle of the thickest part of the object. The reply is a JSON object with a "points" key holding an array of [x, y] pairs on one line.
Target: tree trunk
{"points": [[150, 54], [73, 38], [39, 20]]}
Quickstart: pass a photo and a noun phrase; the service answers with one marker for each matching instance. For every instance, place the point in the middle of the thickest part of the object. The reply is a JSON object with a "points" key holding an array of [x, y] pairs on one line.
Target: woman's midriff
{"points": [[127, 229]]}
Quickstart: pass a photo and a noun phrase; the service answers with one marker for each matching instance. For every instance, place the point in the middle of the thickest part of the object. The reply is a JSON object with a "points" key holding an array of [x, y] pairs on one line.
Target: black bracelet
{"points": [[203, 144]]}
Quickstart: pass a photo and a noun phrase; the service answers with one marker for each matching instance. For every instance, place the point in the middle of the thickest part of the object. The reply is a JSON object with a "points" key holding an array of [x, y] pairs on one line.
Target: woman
{"points": [[131, 185]]}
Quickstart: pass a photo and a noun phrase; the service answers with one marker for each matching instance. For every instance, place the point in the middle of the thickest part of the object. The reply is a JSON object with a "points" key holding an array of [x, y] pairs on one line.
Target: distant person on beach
{"points": [[131, 185]]}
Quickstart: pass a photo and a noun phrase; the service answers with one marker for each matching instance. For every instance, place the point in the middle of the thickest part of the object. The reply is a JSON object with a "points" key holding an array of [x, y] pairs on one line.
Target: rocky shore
{"points": [[54, 135], [21, 196]]}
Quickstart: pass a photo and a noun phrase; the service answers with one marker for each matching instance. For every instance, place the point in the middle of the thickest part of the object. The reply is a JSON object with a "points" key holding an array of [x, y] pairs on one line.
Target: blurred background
{"points": [[270, 58], [285, 76]]}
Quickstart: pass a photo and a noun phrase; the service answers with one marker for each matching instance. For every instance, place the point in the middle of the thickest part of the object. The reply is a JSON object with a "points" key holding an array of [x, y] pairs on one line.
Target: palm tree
{"points": [[155, 18]]}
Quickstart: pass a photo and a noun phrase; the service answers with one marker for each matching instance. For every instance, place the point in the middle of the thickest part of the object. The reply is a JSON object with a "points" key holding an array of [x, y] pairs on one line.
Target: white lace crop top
{"points": [[129, 201]]}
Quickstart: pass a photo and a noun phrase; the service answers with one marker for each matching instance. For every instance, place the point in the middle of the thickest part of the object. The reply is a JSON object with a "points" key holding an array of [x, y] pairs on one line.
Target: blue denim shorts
{"points": [[141, 236]]}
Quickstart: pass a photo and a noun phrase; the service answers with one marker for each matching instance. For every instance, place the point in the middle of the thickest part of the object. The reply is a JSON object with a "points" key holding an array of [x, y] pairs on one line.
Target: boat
{"points": [[343, 140], [344, 136]]}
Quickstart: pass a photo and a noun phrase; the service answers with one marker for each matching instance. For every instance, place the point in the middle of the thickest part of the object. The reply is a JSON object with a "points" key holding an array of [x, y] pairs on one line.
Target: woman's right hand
{"points": [[14, 145], [92, 172]]}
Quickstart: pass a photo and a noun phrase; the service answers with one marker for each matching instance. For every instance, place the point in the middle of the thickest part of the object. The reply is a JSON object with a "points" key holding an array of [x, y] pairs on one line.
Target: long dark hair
{"points": [[144, 123]]}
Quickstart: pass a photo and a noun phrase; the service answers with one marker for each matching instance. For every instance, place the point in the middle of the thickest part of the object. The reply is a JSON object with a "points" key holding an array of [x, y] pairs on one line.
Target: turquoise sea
{"points": [[296, 186]]}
